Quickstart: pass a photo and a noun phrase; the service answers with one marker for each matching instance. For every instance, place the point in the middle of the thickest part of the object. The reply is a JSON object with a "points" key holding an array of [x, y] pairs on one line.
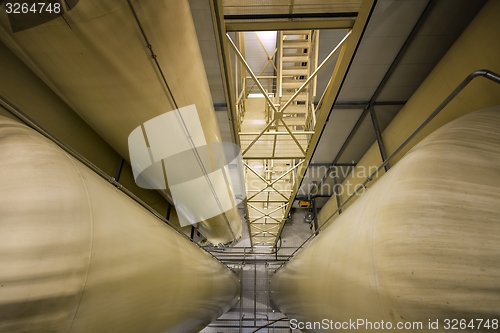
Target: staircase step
{"points": [[295, 71], [295, 58], [292, 84], [295, 44], [296, 109], [294, 121], [296, 32], [302, 97]]}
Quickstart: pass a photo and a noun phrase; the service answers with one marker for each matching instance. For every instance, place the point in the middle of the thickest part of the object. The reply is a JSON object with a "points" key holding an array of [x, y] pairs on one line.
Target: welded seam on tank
{"points": [[200, 162], [91, 240]]}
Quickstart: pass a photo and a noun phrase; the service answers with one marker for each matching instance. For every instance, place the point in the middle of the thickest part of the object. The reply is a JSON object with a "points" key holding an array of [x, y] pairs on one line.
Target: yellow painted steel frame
{"points": [[346, 23], [267, 206], [296, 69], [346, 54]]}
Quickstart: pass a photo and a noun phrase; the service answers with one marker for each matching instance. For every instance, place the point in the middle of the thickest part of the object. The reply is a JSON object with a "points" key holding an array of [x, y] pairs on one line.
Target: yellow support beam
{"points": [[346, 54]]}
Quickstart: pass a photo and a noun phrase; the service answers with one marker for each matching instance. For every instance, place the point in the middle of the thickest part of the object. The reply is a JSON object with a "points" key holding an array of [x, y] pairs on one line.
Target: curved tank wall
{"points": [[475, 49], [422, 244], [95, 59], [80, 256], [22, 88]]}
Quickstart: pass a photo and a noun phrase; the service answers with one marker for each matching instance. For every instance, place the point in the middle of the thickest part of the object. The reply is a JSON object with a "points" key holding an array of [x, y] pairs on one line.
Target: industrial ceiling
{"points": [[399, 44], [373, 55]]}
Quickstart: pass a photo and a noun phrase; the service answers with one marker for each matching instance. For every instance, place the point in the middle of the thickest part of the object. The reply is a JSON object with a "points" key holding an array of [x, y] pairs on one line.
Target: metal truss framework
{"points": [[275, 129], [278, 130]]}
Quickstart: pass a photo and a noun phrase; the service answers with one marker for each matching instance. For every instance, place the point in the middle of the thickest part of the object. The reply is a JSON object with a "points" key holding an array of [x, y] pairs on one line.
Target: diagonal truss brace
{"points": [[269, 184]]}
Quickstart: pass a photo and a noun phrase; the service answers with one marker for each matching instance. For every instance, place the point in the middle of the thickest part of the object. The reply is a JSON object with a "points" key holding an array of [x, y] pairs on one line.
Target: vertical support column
{"points": [[378, 134], [279, 66], [315, 216], [119, 169], [224, 60], [336, 189], [241, 291], [315, 43], [255, 294], [169, 210]]}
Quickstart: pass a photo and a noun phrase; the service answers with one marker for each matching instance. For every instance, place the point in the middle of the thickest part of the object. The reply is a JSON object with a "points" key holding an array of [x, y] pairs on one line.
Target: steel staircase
{"points": [[294, 58], [274, 133]]}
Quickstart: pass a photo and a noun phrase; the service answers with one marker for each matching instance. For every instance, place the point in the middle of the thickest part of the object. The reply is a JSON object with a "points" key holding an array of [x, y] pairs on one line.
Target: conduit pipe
{"points": [[80, 256], [421, 245], [94, 57]]}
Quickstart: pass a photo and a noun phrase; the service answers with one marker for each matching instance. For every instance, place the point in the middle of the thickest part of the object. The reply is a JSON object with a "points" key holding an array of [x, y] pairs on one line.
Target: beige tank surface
{"points": [[80, 256], [23, 89], [96, 59], [423, 243], [474, 50]]}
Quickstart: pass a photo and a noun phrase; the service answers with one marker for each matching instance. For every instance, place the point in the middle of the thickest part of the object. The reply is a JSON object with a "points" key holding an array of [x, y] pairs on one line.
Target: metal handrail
{"points": [[12, 109], [270, 323], [479, 73], [315, 47]]}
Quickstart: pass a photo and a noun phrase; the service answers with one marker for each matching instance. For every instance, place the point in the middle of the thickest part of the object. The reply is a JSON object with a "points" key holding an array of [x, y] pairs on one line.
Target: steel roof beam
{"points": [[291, 16], [289, 24]]}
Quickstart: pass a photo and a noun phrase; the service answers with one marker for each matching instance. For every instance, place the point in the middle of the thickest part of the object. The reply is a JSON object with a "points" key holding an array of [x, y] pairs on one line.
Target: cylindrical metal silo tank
{"points": [[475, 49], [23, 89], [97, 60], [78, 255], [422, 244]]}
